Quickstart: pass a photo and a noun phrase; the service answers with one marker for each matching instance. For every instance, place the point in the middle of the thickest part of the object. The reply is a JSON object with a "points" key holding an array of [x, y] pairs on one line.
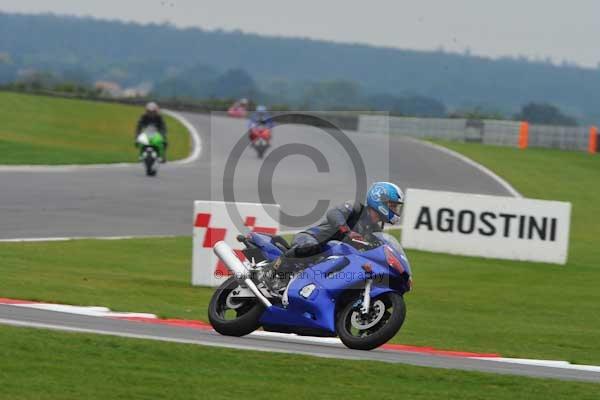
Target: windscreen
{"points": [[396, 246]]}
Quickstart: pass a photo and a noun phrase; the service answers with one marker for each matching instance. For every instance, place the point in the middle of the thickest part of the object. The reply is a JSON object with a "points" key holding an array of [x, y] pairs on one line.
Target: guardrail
{"points": [[502, 133]]}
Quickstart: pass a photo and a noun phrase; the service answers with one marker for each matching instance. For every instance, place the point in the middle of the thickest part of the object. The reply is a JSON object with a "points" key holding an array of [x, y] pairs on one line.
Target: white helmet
{"points": [[152, 107], [261, 109]]}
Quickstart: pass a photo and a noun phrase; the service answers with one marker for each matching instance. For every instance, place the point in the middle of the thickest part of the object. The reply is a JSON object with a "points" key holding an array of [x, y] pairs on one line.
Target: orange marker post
{"points": [[593, 142], [524, 135]]}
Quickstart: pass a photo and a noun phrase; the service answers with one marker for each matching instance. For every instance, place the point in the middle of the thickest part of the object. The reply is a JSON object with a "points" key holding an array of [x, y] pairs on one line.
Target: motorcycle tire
{"points": [[247, 318], [149, 163], [378, 334]]}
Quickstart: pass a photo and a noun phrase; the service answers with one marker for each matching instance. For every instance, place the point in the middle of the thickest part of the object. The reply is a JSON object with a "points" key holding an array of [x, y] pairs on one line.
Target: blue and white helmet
{"points": [[261, 109], [387, 199]]}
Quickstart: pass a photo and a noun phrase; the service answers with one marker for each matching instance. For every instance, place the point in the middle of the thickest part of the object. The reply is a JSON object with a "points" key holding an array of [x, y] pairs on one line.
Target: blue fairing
{"points": [[341, 272], [269, 250]]}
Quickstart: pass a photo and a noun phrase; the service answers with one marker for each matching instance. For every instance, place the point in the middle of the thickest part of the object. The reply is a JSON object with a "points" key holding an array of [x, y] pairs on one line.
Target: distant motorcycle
{"points": [[260, 139], [237, 111], [151, 145], [354, 289]]}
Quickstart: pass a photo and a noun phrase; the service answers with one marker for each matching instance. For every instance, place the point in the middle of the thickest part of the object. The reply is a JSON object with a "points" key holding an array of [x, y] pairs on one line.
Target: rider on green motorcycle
{"points": [[152, 117]]}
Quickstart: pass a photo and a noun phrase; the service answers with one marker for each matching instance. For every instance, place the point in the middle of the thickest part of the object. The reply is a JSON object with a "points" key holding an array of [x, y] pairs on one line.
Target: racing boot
{"points": [[277, 274]]}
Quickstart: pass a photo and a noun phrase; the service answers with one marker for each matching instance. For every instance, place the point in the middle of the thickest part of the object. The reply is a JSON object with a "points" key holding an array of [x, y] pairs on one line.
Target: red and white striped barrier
{"points": [[213, 223]]}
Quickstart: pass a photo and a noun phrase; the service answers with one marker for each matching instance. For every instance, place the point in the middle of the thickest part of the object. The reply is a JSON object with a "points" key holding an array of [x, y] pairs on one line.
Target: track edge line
{"points": [[501, 181]]}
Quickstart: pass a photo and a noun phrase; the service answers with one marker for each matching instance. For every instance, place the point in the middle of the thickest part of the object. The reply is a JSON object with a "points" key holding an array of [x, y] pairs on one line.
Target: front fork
{"points": [[366, 302]]}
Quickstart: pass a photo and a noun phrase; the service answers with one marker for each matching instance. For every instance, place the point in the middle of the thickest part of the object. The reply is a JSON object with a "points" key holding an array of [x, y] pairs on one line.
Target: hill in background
{"points": [[189, 62]]}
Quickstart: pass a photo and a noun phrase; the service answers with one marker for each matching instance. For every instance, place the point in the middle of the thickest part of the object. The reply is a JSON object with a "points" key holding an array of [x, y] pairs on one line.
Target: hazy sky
{"points": [[562, 30]]}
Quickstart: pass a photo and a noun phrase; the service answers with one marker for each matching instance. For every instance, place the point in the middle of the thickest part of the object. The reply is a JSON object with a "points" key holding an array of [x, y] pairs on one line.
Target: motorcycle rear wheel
{"points": [[238, 321], [149, 164], [385, 319]]}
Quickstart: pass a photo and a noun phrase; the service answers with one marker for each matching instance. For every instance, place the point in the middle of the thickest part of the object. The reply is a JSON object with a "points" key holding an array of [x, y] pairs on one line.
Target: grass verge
{"points": [[52, 131], [38, 364], [458, 303]]}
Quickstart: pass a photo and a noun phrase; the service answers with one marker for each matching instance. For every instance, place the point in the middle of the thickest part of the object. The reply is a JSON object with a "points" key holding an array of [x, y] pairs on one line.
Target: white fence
{"points": [[502, 133], [559, 137]]}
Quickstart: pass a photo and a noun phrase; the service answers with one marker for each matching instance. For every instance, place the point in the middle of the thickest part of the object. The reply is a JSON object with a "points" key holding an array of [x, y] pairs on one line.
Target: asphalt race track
{"points": [[119, 200], [24, 317]]}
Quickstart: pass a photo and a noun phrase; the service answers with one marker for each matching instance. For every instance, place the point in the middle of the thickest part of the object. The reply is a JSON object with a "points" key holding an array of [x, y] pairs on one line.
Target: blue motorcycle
{"points": [[353, 289]]}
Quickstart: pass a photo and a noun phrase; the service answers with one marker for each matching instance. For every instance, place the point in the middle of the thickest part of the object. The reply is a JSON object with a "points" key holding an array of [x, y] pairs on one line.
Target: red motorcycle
{"points": [[260, 138], [237, 112]]}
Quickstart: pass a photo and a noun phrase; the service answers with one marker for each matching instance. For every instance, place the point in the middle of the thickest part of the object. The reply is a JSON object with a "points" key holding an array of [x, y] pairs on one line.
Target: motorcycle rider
{"points": [[242, 103], [152, 117], [349, 221], [260, 117]]}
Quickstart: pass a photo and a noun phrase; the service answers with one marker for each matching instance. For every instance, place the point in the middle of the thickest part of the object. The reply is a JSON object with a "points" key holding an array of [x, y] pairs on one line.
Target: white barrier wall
{"points": [[500, 133], [487, 226], [559, 137], [213, 223], [504, 133]]}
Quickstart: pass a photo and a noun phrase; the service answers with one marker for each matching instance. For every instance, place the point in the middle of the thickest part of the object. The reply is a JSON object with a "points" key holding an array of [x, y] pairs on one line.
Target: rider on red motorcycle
{"points": [[259, 130], [260, 118], [239, 109]]}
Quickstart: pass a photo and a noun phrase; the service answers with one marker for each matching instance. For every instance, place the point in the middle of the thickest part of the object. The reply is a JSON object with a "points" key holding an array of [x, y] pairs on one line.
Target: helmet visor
{"points": [[395, 207]]}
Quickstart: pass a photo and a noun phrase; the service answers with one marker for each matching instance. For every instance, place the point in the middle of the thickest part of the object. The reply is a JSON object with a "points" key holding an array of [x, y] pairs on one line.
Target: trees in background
{"points": [[204, 85], [48, 83], [331, 95], [412, 105], [8, 70], [477, 113], [131, 54], [196, 81], [544, 113], [235, 83], [203, 82]]}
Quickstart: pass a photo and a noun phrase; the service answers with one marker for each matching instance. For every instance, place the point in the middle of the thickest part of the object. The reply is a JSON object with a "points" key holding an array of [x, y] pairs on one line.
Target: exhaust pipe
{"points": [[241, 273]]}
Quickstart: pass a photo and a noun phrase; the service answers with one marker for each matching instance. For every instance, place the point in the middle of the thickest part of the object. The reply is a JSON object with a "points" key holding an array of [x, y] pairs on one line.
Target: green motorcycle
{"points": [[151, 145]]}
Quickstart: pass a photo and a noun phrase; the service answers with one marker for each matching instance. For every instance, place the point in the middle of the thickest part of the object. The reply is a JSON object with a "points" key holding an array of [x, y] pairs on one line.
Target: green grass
{"points": [[515, 309], [47, 130], [37, 364], [151, 275]]}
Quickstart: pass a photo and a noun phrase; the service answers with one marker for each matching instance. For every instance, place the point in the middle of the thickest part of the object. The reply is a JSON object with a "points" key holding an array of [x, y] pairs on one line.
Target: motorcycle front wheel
{"points": [[233, 317], [368, 331]]}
